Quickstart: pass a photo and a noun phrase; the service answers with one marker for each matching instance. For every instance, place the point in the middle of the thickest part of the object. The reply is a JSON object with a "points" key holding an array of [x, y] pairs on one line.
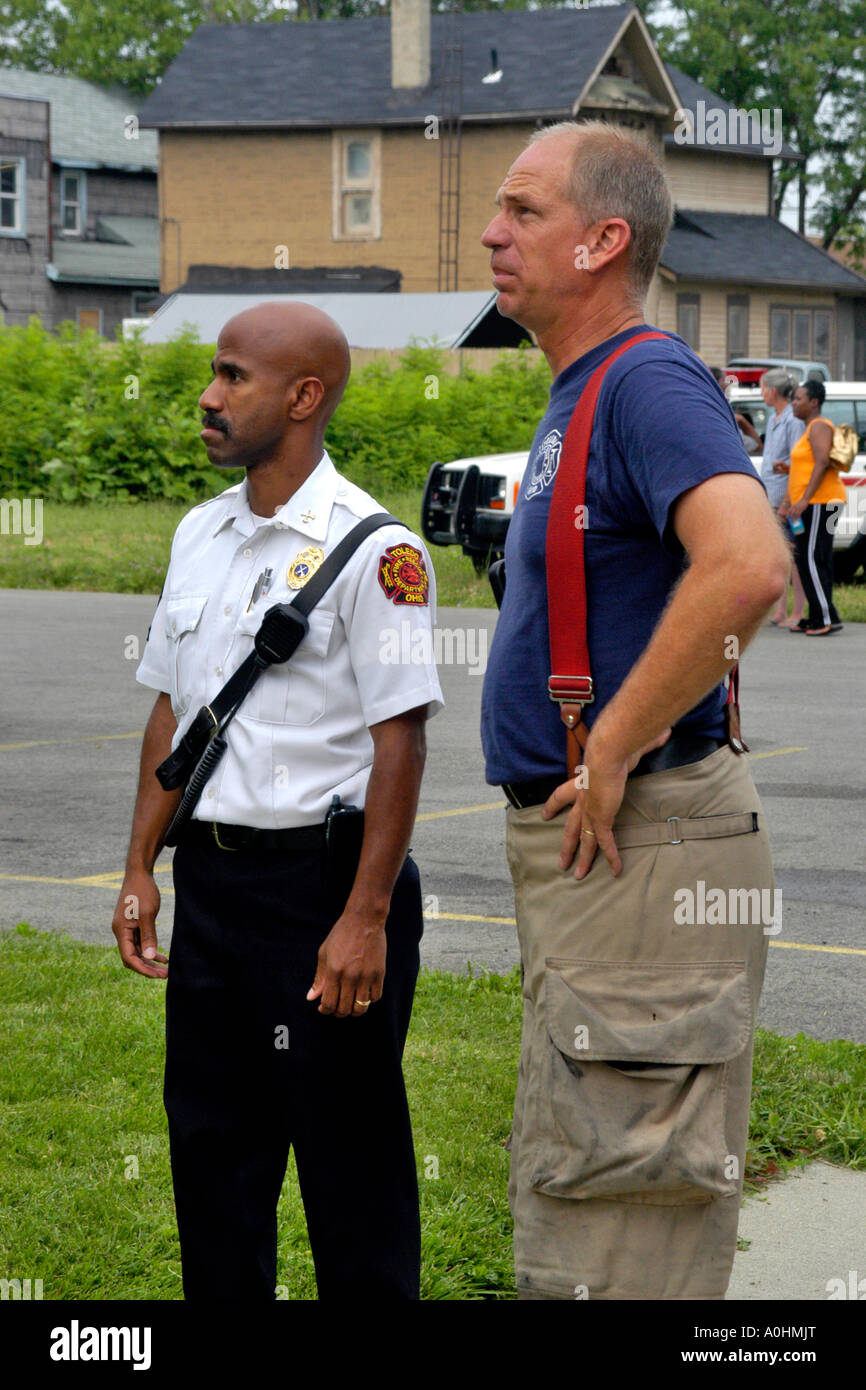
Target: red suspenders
{"points": [[570, 682]]}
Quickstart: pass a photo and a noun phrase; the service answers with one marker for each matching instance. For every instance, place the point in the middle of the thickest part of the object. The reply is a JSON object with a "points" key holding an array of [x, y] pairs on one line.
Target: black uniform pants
{"points": [[252, 1068], [813, 552]]}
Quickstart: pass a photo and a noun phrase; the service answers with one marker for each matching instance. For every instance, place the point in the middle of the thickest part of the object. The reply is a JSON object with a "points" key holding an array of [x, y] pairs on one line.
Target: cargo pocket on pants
{"points": [[632, 1086]]}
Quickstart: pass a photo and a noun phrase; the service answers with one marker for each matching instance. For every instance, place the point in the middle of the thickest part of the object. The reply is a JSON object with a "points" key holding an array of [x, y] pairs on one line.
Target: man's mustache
{"points": [[213, 422]]}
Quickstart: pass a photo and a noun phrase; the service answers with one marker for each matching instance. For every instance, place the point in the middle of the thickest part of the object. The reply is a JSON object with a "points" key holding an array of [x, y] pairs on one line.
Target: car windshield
{"points": [[842, 412]]}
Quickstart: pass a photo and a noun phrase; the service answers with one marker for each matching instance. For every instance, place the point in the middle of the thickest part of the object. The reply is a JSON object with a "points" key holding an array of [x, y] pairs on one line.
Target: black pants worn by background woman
{"points": [[253, 1069], [813, 552]]}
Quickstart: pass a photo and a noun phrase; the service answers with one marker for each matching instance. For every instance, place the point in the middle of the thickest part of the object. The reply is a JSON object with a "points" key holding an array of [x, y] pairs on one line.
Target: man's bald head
{"points": [[297, 339], [280, 370]]}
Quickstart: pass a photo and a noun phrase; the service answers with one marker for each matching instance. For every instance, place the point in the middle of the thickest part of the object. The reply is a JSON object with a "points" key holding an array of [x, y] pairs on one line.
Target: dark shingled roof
{"points": [[338, 72], [742, 247], [691, 92]]}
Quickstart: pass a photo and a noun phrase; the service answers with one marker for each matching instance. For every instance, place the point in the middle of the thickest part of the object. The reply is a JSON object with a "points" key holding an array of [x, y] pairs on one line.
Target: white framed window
{"points": [[356, 169], [73, 184], [13, 211]]}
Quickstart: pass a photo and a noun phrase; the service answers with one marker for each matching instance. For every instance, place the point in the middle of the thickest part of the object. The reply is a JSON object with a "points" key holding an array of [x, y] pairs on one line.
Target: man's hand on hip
{"points": [[589, 826], [134, 925], [351, 967]]}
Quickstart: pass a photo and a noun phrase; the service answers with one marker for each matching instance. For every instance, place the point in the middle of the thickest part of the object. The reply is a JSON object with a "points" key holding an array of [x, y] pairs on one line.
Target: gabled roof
{"points": [[127, 254], [338, 72], [87, 121], [748, 249], [691, 93], [461, 318]]}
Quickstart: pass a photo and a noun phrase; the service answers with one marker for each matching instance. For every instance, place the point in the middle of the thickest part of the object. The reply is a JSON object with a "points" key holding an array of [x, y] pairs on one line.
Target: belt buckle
{"points": [[669, 820]]}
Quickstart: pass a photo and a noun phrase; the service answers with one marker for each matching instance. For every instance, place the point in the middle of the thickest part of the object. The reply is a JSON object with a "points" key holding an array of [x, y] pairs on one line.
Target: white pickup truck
{"points": [[469, 502]]}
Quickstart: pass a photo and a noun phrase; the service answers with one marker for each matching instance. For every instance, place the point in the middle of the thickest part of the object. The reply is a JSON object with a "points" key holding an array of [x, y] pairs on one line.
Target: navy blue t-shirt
{"points": [[662, 425]]}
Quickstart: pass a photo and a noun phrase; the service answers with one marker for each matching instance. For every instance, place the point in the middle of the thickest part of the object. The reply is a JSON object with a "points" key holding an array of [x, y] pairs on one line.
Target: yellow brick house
{"points": [[365, 154]]}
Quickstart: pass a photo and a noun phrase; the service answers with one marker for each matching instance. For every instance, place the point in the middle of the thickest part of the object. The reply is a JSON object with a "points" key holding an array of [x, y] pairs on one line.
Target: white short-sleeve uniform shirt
{"points": [[302, 734]]}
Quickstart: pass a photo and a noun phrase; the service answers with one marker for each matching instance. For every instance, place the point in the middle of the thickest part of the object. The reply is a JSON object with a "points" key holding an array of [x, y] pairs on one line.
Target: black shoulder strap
{"points": [[178, 765], [318, 586], [315, 588], [203, 745]]}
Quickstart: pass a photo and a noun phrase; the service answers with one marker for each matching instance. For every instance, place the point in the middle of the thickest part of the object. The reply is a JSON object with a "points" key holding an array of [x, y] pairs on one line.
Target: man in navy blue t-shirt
{"points": [[633, 1095]]}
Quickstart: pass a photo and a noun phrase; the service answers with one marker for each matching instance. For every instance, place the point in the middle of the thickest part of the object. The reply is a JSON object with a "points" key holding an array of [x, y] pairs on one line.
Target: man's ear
{"points": [[305, 397], [607, 240]]}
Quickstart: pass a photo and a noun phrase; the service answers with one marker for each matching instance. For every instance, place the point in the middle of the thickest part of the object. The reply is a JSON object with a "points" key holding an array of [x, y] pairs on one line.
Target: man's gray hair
{"points": [[781, 380], [615, 173]]}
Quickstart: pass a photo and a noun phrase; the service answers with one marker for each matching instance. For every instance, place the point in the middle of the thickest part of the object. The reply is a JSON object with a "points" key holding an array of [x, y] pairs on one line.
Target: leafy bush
{"points": [[88, 421]]}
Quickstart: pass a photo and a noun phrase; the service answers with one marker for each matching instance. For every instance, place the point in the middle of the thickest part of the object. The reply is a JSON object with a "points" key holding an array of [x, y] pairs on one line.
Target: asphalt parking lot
{"points": [[70, 732]]}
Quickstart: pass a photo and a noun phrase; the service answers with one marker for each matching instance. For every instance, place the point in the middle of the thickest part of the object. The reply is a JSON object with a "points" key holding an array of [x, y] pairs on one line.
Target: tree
{"points": [[128, 43], [806, 60]]}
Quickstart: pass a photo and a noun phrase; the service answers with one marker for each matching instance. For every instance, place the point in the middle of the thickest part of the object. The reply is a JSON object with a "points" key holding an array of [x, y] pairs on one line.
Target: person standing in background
{"points": [[751, 440], [814, 492], [782, 432]]}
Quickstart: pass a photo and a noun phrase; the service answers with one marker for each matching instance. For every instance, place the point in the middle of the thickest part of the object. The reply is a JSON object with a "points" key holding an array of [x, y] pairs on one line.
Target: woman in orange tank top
{"points": [[815, 492]]}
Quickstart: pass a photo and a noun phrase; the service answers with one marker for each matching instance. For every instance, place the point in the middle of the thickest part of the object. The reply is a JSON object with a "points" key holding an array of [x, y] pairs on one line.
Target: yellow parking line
{"points": [[47, 742], [510, 922], [34, 878], [109, 880], [776, 753], [462, 811], [469, 917], [834, 950]]}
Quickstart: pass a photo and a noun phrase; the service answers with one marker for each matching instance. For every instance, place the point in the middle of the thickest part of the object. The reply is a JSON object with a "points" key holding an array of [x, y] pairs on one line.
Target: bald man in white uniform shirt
{"points": [[289, 991]]}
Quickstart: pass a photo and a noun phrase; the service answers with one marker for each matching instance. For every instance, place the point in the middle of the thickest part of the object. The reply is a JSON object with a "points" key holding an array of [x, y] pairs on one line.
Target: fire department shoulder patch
{"points": [[403, 575]]}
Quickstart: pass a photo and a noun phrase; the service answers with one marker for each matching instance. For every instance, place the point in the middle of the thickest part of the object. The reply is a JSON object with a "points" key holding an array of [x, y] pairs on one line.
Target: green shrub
{"points": [[86, 420]]}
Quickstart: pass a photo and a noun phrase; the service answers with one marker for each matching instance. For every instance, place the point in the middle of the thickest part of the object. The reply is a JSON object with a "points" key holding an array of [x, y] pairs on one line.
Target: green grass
{"points": [[850, 600], [81, 1096], [123, 548]]}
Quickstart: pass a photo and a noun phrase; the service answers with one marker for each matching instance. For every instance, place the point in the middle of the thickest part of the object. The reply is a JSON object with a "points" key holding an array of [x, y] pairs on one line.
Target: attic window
{"points": [[356, 185]]}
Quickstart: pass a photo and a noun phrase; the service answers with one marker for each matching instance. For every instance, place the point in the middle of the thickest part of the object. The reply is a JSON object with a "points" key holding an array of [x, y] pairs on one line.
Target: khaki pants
{"points": [[632, 1105]]}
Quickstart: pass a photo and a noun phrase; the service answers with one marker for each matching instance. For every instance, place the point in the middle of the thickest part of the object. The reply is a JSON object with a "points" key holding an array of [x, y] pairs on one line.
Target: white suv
{"points": [[469, 502]]}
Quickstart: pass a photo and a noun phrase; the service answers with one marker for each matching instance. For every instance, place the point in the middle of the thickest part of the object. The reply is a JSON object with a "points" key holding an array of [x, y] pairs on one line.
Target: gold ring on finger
{"points": [[363, 1003], [589, 832]]}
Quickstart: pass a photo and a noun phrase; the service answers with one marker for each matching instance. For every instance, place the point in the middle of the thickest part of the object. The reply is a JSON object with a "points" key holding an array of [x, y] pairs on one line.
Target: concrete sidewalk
{"points": [[806, 1231]]}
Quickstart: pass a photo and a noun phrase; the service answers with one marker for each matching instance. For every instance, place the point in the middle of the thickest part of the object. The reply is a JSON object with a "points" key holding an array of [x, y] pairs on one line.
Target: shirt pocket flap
{"points": [[316, 638], [182, 614], [684, 1012], [290, 692]]}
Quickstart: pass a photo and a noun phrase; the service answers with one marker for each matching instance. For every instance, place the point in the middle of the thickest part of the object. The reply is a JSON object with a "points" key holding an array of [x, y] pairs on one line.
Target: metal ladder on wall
{"points": [[450, 124]]}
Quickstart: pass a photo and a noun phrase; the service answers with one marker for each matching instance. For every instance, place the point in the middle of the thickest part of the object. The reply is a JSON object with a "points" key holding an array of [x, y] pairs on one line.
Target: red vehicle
{"points": [[747, 371]]}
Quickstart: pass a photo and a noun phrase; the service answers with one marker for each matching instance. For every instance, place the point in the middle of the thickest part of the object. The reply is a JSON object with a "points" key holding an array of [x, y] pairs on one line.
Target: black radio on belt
{"points": [[282, 629]]}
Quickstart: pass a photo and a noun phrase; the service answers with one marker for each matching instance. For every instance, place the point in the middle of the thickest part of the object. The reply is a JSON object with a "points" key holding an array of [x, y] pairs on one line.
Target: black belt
{"points": [[681, 748], [251, 839]]}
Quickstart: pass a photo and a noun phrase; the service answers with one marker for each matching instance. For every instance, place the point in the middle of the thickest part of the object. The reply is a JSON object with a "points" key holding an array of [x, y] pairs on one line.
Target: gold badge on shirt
{"points": [[304, 566]]}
